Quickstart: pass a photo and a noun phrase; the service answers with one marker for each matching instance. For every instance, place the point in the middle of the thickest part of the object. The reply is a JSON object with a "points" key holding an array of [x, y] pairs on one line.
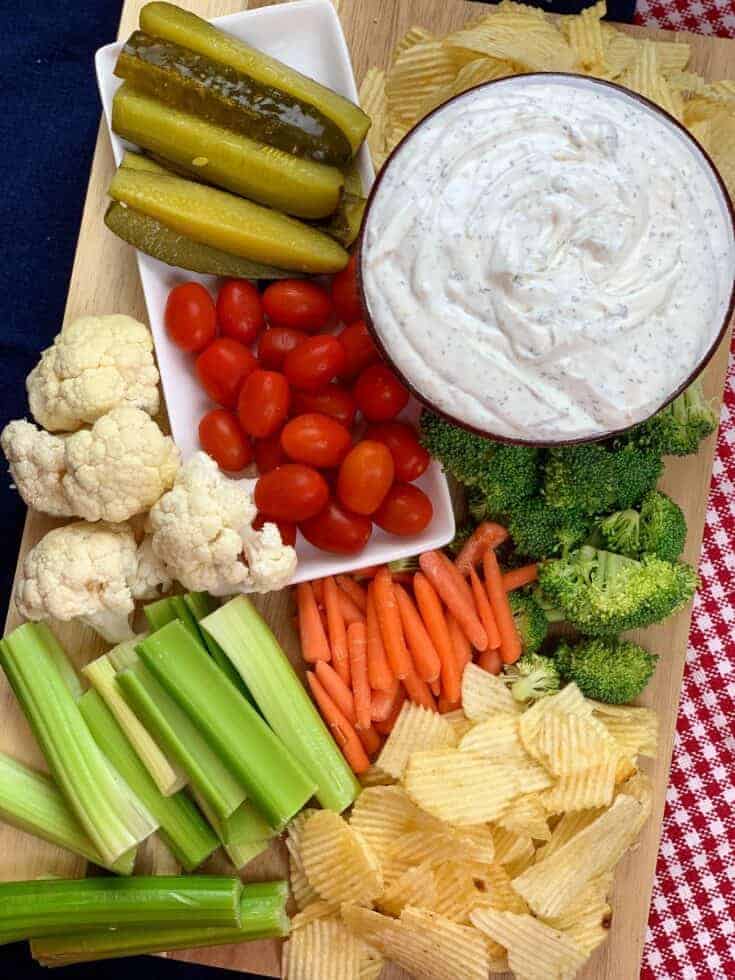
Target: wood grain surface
{"points": [[105, 280]]}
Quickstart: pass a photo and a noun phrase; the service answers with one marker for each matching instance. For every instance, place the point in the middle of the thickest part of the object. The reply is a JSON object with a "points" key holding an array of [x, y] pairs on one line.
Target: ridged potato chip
{"points": [[620, 50], [381, 814], [414, 35], [585, 36], [536, 46], [584, 789], [460, 723], [478, 71], [512, 850], [526, 815], [475, 844], [314, 910], [587, 920], [496, 889], [567, 827], [301, 889], [373, 101], [338, 861], [324, 949], [375, 777], [416, 729], [416, 886], [456, 892], [497, 738], [484, 694], [644, 76], [672, 55], [419, 73], [371, 963], [635, 729], [569, 701], [535, 950], [566, 744]]}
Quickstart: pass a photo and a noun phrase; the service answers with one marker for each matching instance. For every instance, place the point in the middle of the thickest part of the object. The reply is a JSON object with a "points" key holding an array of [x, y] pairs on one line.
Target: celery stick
{"points": [[201, 604], [253, 649], [262, 910], [115, 820], [244, 835], [59, 657], [30, 909], [159, 613], [30, 801], [274, 780], [180, 738], [168, 777], [184, 615], [181, 826]]}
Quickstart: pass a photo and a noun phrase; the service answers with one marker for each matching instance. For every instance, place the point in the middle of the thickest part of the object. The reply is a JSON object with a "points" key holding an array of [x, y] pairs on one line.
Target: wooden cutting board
{"points": [[105, 280]]}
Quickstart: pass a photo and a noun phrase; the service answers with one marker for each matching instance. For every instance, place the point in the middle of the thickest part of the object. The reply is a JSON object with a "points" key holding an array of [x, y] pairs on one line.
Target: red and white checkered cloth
{"points": [[691, 932]]}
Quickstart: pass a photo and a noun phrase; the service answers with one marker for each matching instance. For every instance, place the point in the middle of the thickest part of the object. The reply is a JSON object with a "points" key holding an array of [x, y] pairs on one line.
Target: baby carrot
{"points": [[355, 591], [318, 586], [342, 731], [366, 573], [435, 567], [461, 646], [379, 672], [424, 656], [510, 643], [486, 535], [350, 612], [446, 706], [371, 740], [389, 619], [490, 661], [386, 727], [338, 691], [382, 703], [337, 630], [482, 604], [518, 577], [436, 688], [314, 645], [437, 627], [418, 690], [357, 649]]}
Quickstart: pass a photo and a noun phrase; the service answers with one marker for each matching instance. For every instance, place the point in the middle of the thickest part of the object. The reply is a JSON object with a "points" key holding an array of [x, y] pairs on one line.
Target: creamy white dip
{"points": [[547, 259]]}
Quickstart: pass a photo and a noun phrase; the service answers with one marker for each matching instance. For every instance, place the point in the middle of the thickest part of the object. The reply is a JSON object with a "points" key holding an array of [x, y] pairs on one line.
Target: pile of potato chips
{"points": [[484, 840], [513, 39]]}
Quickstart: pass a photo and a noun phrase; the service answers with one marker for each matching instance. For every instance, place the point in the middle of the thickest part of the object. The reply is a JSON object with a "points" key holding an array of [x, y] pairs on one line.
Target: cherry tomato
{"points": [[190, 316], [291, 492], [269, 453], [345, 294], [365, 477], [222, 438], [379, 394], [263, 402], [314, 363], [286, 529], [315, 439], [240, 310], [275, 343], [297, 303], [222, 368], [334, 400], [336, 529], [409, 455], [359, 347], [406, 510]]}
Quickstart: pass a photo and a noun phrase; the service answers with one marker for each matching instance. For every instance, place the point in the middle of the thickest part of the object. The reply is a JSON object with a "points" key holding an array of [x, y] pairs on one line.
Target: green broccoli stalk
{"points": [[553, 613], [678, 429], [399, 565], [541, 531], [658, 528], [532, 677], [502, 474], [601, 593], [610, 670], [530, 620]]}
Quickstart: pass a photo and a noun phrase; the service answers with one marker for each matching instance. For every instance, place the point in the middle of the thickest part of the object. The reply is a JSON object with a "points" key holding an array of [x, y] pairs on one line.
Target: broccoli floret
{"points": [[552, 612], [532, 677], [596, 479], [679, 428], [658, 528], [610, 670], [502, 474], [539, 530], [601, 593], [530, 620]]}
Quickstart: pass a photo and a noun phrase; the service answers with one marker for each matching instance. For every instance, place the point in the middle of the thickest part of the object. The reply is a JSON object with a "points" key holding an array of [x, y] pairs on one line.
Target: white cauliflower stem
{"points": [[95, 364], [90, 572], [202, 531]]}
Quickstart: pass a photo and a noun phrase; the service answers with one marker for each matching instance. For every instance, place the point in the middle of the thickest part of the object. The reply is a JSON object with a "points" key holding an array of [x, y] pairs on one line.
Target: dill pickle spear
{"points": [[190, 81], [170, 22], [227, 159], [344, 224]]}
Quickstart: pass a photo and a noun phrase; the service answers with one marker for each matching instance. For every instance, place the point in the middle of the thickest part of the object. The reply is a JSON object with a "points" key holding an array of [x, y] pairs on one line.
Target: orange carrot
{"points": [[438, 629], [436, 688], [356, 592], [435, 567], [342, 731], [337, 630], [425, 658], [460, 645], [323, 618], [379, 672], [389, 619], [486, 535], [418, 691], [371, 740], [338, 691], [519, 577], [482, 604], [510, 642], [490, 661], [382, 703], [317, 585], [367, 572], [446, 706], [386, 727], [314, 645], [404, 578], [350, 612], [357, 649]]}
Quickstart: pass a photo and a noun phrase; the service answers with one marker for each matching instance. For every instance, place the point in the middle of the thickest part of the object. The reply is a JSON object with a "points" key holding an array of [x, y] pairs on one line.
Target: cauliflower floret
{"points": [[153, 577], [85, 571], [116, 469], [202, 531], [95, 364], [37, 466]]}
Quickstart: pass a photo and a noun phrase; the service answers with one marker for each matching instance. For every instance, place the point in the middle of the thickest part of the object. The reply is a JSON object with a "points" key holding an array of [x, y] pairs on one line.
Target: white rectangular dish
{"points": [[306, 35]]}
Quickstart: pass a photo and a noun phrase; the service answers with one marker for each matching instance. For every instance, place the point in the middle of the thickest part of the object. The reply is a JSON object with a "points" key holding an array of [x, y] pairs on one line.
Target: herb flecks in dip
{"points": [[547, 259]]}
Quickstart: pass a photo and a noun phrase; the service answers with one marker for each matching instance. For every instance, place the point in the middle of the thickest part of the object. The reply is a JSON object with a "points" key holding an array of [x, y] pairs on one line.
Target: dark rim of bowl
{"points": [[602, 437]]}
